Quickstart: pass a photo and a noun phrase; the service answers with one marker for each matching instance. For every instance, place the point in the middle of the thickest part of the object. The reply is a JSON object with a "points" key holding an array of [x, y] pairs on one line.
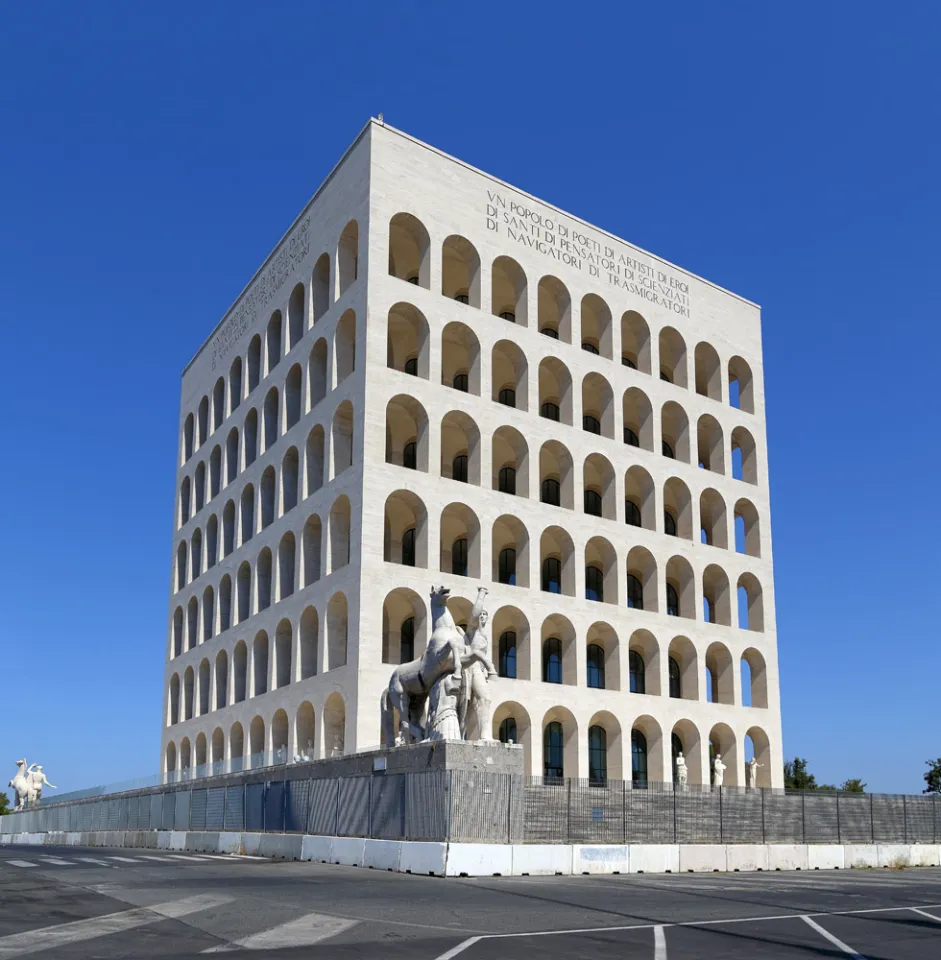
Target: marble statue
{"points": [[718, 770], [443, 722], [338, 744], [751, 768], [475, 710], [682, 771], [21, 786], [411, 683], [37, 780]]}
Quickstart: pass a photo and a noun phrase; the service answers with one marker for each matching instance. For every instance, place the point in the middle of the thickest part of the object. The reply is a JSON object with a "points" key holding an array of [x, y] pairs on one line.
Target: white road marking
{"points": [[924, 913], [179, 856], [161, 859], [22, 863], [834, 940], [124, 859], [46, 938], [58, 862], [100, 863], [460, 948], [311, 928], [659, 944]]}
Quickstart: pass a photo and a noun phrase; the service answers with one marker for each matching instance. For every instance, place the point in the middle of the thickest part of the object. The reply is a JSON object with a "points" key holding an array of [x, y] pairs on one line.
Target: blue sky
{"points": [[153, 154]]}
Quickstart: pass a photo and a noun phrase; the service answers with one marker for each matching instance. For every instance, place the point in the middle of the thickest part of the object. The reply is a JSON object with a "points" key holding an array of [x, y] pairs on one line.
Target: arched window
{"points": [[507, 480], [631, 438], [673, 601], [668, 450], [507, 396], [593, 502], [408, 547], [595, 666], [507, 566], [550, 332], [552, 660], [669, 524], [591, 424], [407, 641], [462, 298], [635, 592], [459, 468], [411, 366], [550, 411], [676, 748], [410, 455], [627, 362], [551, 492], [632, 513], [508, 656], [552, 767], [552, 575], [676, 682], [635, 664], [589, 347], [508, 315], [460, 382], [508, 730], [459, 557], [597, 756], [594, 584], [638, 758]]}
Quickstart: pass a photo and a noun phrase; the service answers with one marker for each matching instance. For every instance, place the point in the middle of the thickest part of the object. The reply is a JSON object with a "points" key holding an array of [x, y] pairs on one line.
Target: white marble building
{"points": [[436, 377]]}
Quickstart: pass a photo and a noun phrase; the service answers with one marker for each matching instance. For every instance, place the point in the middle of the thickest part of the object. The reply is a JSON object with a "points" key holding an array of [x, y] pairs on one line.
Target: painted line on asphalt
{"points": [[22, 863], [925, 913], [100, 863], [58, 862], [125, 859], [160, 859], [463, 945], [47, 938], [834, 940], [302, 932], [659, 944]]}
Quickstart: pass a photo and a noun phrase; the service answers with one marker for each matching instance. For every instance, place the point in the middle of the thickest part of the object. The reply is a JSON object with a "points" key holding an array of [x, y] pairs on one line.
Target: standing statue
{"points": [[718, 771], [21, 785], [751, 768], [682, 771], [37, 780], [474, 707], [443, 722], [411, 682]]}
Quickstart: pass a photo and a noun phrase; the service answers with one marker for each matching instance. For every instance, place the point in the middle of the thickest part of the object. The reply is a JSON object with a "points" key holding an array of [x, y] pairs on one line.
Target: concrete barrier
{"points": [[202, 841], [348, 850], [382, 854], [424, 857], [825, 856], [893, 855], [541, 859], [479, 860], [280, 846], [860, 856], [703, 858], [229, 842], [654, 858], [746, 857], [926, 855], [316, 849], [600, 858]]}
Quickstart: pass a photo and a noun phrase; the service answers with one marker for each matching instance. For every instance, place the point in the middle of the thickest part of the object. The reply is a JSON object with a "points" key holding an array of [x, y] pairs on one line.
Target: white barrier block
{"points": [[348, 850], [746, 857], [423, 857], [541, 859], [654, 858], [600, 858], [479, 859], [382, 854], [230, 842], [283, 846], [825, 856], [926, 855], [163, 840], [787, 856], [894, 854], [860, 856], [316, 849], [703, 857], [177, 840], [250, 843]]}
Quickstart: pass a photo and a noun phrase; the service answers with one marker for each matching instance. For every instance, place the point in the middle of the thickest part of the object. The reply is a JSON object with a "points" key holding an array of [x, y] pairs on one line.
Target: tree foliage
{"points": [[797, 777], [933, 776], [4, 804]]}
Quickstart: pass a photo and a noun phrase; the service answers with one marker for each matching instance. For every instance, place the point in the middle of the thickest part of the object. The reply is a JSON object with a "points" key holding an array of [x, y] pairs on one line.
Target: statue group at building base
{"points": [[445, 694], [28, 783]]}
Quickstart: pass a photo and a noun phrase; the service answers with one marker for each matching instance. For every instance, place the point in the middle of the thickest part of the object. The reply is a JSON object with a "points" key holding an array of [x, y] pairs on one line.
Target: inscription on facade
{"points": [[570, 243], [261, 292]]}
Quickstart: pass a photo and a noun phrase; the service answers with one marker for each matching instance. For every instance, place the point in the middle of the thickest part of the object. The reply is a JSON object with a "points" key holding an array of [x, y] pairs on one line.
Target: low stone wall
{"points": [[487, 859]]}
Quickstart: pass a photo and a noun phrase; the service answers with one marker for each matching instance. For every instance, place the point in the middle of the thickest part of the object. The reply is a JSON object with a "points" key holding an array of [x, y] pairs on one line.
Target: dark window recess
{"points": [[408, 547], [507, 396], [410, 455], [550, 411], [593, 503], [506, 480], [635, 592], [632, 513], [552, 575], [631, 438], [411, 366], [459, 468], [460, 382], [551, 492], [591, 424], [550, 332]]}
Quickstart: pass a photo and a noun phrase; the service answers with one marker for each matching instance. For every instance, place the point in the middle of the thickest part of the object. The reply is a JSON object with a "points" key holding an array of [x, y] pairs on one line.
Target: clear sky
{"points": [[152, 154]]}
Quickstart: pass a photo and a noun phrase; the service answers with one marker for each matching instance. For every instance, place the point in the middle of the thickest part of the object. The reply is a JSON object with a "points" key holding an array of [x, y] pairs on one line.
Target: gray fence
{"points": [[461, 805]]}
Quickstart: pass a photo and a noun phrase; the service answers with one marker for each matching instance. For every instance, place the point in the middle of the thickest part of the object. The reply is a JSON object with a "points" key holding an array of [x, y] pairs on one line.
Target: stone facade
{"points": [[422, 323]]}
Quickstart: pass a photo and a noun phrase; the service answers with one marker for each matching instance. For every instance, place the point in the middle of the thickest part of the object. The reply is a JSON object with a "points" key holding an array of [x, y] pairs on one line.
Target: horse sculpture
{"points": [[21, 785], [411, 682]]}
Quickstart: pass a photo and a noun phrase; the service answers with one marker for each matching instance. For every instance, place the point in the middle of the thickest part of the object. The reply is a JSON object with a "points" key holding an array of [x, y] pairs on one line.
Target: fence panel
{"points": [[919, 820], [215, 808], [698, 818], [387, 806], [821, 823], [235, 808], [855, 818], [296, 805], [888, 818], [427, 807], [783, 817], [133, 808], [198, 810], [480, 803], [274, 806], [353, 807], [254, 807], [596, 811], [156, 811], [545, 810], [741, 815], [181, 813], [322, 820], [649, 812]]}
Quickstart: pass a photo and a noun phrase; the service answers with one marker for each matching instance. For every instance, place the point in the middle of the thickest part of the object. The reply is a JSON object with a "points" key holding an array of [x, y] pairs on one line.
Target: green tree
{"points": [[796, 776], [4, 804], [933, 776], [853, 785]]}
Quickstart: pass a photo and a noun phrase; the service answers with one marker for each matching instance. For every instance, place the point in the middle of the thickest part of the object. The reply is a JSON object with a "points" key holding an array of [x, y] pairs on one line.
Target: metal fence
{"points": [[461, 805]]}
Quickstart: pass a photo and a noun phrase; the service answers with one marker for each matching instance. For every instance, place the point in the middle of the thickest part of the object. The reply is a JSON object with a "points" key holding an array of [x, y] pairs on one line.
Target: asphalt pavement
{"points": [[73, 904]]}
